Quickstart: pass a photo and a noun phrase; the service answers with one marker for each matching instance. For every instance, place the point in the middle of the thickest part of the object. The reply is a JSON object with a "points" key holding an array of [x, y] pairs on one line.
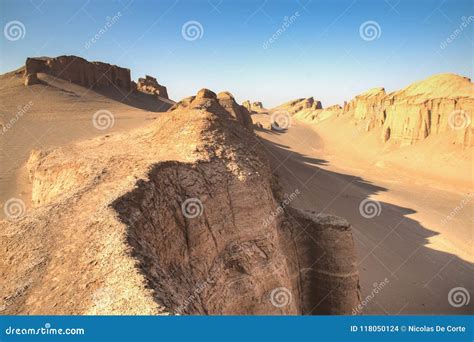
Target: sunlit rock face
{"points": [[438, 104], [80, 71]]}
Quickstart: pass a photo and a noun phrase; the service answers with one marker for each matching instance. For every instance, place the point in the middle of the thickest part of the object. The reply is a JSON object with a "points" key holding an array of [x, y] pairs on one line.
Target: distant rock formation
{"points": [[257, 105], [225, 100], [254, 107], [247, 105], [438, 104], [317, 115], [301, 104], [80, 71], [150, 85]]}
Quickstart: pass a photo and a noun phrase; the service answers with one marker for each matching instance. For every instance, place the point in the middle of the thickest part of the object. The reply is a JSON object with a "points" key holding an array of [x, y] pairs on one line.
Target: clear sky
{"points": [[321, 52]]}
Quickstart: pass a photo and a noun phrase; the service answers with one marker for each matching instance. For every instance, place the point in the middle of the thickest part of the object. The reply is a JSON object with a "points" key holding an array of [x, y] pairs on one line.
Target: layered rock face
{"points": [[80, 71], [150, 85], [172, 219], [436, 105]]}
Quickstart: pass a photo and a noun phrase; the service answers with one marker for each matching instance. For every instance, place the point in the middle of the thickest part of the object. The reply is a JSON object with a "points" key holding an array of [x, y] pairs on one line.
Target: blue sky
{"points": [[321, 53]]}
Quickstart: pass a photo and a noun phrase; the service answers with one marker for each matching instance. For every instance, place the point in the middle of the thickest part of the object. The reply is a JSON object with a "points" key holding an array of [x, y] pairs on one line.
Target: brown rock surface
{"points": [[80, 71], [171, 218], [247, 105]]}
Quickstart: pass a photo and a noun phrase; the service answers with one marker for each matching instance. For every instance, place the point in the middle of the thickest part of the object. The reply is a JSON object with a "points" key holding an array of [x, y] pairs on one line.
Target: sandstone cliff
{"points": [[172, 218], [80, 71], [436, 105]]}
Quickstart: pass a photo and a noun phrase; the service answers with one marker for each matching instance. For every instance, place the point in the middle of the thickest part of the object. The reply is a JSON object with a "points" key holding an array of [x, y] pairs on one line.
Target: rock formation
{"points": [[80, 71], [254, 107], [247, 105], [182, 216], [151, 86], [257, 105], [31, 79], [438, 104], [301, 104]]}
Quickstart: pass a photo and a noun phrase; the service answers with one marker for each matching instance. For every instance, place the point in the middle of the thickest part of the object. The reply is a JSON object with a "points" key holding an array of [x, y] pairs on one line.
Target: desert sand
{"points": [[409, 243]]}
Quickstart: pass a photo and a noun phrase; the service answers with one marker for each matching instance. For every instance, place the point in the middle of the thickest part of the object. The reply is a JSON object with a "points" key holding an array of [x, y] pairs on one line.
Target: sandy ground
{"points": [[44, 116], [416, 246]]}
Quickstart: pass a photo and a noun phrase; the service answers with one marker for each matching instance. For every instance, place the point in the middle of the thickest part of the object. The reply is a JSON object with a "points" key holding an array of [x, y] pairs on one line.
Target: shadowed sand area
{"points": [[422, 257]]}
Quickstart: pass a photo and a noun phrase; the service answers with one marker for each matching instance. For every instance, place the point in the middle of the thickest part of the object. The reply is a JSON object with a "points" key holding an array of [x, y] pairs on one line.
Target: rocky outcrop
{"points": [[257, 105], [441, 103], [317, 115], [150, 85], [254, 107], [80, 71], [31, 79], [181, 217], [324, 272], [247, 105]]}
